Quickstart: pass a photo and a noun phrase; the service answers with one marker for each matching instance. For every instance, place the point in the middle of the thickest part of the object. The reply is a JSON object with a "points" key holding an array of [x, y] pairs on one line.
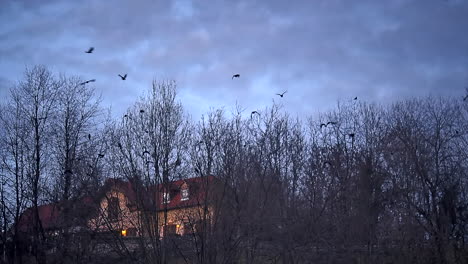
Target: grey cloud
{"points": [[320, 51]]}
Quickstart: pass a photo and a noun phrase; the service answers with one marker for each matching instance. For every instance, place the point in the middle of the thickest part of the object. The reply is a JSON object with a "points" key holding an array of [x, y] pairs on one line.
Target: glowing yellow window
{"points": [[124, 232]]}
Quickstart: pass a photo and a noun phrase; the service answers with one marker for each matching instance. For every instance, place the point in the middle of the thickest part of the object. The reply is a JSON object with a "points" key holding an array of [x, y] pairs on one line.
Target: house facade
{"points": [[180, 207], [128, 208]]}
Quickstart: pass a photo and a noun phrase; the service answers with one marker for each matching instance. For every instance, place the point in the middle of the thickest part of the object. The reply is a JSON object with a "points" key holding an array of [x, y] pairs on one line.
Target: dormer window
{"points": [[184, 195], [166, 198]]}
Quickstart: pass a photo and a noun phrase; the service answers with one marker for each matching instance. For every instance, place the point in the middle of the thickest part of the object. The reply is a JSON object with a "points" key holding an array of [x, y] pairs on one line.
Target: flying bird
{"points": [[88, 81], [235, 76], [282, 94], [123, 77], [90, 50]]}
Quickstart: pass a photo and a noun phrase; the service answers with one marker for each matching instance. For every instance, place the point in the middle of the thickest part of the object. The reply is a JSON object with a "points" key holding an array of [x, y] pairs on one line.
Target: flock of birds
{"points": [[89, 51], [237, 75]]}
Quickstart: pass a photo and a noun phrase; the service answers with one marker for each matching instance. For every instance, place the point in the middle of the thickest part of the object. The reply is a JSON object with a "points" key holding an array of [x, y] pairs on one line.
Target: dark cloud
{"points": [[320, 51]]}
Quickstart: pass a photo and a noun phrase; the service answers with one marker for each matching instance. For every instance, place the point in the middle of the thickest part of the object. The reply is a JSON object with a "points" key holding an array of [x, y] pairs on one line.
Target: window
{"points": [[113, 209], [166, 197], [185, 195]]}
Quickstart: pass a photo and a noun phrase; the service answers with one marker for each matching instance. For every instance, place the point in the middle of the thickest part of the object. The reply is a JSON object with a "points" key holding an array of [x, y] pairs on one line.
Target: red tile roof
{"points": [[51, 214], [197, 188]]}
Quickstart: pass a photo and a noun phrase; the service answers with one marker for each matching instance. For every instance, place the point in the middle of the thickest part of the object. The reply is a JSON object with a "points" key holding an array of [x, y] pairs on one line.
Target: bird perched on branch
{"points": [[282, 94], [351, 135], [235, 76], [88, 81], [123, 77], [253, 113], [90, 50], [142, 111]]}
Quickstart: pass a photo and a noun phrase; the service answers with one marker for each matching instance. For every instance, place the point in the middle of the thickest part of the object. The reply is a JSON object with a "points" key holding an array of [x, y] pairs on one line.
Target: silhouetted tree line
{"points": [[377, 184]]}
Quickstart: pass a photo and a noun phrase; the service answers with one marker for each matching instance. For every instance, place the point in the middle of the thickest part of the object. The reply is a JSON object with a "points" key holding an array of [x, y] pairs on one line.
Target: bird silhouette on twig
{"points": [[235, 76], [90, 50], [282, 94], [88, 81], [89, 136], [123, 77], [142, 111], [253, 113], [351, 135]]}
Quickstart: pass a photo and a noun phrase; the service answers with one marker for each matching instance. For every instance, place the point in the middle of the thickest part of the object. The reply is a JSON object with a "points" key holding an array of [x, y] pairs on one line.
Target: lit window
{"points": [[166, 198], [185, 195], [124, 232]]}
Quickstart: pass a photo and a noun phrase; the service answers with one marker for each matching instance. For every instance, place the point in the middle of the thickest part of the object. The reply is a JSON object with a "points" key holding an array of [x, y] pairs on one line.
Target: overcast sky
{"points": [[320, 51]]}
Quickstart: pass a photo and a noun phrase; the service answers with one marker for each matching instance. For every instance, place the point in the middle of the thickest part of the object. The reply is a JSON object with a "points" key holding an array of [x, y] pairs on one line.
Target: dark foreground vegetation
{"points": [[362, 183]]}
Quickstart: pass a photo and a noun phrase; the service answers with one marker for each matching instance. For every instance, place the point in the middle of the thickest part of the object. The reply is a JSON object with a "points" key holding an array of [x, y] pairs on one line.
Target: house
{"points": [[180, 207], [130, 209], [51, 216]]}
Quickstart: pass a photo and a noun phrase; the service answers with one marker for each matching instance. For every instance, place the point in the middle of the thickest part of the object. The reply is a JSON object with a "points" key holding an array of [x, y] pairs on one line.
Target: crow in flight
{"points": [[123, 77], [88, 81], [235, 76], [90, 50], [281, 95]]}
